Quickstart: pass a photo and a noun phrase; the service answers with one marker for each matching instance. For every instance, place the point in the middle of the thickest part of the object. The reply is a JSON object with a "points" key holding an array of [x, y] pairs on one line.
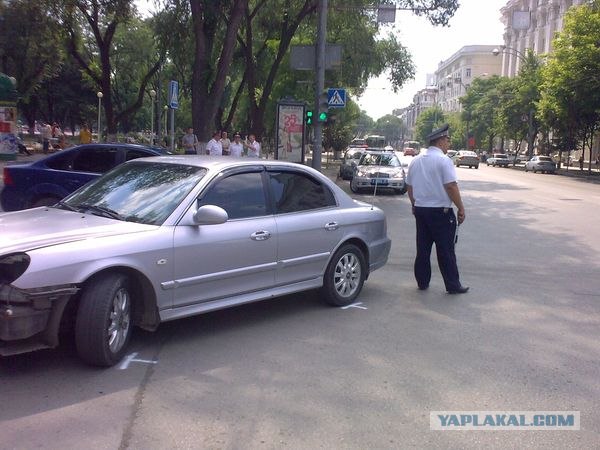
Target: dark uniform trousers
{"points": [[436, 225]]}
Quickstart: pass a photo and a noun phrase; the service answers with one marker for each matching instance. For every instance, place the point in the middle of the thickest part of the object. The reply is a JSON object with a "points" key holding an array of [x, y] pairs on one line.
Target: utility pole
{"points": [[320, 83]]}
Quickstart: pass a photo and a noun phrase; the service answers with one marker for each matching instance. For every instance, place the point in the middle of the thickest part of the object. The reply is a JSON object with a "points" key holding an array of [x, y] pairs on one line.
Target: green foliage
{"points": [[571, 85], [427, 121], [391, 127]]}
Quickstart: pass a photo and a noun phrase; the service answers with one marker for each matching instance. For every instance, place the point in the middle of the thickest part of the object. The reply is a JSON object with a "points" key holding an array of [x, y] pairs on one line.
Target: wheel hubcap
{"points": [[119, 321], [347, 275]]}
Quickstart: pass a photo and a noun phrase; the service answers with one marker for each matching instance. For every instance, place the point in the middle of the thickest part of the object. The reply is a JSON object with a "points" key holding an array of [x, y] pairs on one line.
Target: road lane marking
{"points": [[131, 358], [355, 305]]}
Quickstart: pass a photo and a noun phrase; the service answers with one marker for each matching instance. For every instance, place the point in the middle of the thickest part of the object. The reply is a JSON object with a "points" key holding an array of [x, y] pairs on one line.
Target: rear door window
{"points": [[293, 192], [95, 160]]}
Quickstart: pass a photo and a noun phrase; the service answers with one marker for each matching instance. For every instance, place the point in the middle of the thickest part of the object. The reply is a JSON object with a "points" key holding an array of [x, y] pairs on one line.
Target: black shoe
{"points": [[460, 290], [423, 288]]}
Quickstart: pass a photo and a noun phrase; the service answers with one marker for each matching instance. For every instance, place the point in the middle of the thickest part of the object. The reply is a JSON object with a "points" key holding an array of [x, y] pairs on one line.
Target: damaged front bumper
{"points": [[30, 318]]}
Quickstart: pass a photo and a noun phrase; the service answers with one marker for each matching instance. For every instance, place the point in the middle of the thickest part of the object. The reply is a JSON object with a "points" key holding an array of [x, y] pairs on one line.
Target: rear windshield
{"points": [[545, 158], [500, 156]]}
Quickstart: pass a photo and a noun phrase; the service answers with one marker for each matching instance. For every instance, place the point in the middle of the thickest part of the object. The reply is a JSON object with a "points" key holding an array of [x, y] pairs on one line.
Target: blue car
{"points": [[48, 180]]}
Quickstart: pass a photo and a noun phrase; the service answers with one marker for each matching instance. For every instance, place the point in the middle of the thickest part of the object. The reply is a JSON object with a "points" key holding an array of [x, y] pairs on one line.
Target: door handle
{"points": [[260, 235], [331, 226]]}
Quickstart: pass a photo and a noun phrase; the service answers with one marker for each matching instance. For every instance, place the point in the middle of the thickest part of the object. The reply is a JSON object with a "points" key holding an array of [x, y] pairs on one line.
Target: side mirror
{"points": [[210, 215]]}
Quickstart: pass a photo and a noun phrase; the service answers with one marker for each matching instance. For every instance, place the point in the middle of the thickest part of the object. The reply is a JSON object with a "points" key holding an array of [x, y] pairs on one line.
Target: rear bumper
{"points": [[379, 252]]}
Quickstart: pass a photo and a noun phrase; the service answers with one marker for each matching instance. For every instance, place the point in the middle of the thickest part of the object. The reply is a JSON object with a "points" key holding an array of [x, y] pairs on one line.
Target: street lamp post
{"points": [[152, 96], [99, 95], [523, 58]]}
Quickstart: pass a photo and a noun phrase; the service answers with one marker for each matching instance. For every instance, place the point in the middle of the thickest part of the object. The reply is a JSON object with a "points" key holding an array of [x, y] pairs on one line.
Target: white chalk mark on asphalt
{"points": [[131, 358], [355, 305]]}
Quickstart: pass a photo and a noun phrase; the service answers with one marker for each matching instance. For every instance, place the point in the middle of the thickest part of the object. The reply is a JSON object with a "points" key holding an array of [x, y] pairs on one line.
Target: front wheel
{"points": [[103, 325], [345, 276]]}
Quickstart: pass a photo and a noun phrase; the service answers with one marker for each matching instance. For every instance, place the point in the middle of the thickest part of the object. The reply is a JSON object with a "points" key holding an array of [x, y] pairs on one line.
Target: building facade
{"points": [[530, 24], [455, 75]]}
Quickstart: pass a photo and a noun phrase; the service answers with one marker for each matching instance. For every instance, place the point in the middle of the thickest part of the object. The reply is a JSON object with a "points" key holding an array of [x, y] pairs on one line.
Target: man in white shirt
{"points": [[253, 147], [236, 148], [432, 189], [214, 148]]}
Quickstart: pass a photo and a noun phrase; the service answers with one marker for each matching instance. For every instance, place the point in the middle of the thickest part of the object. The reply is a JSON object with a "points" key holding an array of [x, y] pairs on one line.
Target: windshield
{"points": [[143, 192], [371, 159]]}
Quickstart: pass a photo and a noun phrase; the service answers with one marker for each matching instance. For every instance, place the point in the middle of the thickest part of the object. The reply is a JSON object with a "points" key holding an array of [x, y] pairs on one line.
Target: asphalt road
{"points": [[293, 373]]}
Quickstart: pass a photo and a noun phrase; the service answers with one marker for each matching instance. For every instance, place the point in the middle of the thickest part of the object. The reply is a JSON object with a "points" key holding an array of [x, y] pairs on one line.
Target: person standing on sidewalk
{"points": [[189, 142], [46, 136], [432, 189]]}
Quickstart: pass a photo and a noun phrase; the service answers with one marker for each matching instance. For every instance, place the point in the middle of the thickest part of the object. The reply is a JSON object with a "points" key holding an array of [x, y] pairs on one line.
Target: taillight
{"points": [[8, 181]]}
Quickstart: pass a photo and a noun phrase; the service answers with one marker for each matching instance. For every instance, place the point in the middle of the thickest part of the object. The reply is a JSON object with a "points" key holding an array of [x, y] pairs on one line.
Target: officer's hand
{"points": [[461, 216]]}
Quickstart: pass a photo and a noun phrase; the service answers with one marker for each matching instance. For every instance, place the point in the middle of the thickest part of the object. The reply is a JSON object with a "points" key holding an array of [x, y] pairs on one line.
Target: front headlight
{"points": [[13, 266]]}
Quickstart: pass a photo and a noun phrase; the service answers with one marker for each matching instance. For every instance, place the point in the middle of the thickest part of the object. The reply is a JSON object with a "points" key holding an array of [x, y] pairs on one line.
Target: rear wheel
{"points": [[345, 276], [103, 325]]}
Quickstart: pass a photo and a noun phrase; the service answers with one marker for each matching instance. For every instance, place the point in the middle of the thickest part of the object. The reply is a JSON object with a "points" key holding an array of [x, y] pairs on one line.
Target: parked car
{"points": [[544, 164], [498, 159], [158, 239], [379, 170], [46, 181], [466, 158], [349, 161]]}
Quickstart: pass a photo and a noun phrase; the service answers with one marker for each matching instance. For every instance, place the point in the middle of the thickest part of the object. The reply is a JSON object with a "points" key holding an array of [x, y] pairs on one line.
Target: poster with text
{"points": [[290, 132]]}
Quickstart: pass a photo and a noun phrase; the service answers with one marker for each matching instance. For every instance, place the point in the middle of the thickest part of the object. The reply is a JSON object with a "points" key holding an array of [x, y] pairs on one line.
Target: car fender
{"points": [[73, 263]]}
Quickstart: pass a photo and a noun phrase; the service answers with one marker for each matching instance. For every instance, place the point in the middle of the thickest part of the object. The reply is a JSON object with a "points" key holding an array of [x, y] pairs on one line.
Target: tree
{"points": [[30, 50], [391, 127], [571, 86], [427, 121], [91, 26]]}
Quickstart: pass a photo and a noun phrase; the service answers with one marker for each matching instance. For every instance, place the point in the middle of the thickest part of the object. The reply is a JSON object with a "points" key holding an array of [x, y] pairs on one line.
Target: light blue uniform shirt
{"points": [[428, 172]]}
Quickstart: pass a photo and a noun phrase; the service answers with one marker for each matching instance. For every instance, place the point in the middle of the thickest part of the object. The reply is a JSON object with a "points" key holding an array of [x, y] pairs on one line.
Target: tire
{"points": [[44, 201], [105, 304], [526, 169], [345, 276], [402, 191], [353, 187], [477, 166]]}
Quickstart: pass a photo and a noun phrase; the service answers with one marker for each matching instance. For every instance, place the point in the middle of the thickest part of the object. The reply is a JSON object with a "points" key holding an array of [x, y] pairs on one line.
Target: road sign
{"points": [[173, 94], [336, 97]]}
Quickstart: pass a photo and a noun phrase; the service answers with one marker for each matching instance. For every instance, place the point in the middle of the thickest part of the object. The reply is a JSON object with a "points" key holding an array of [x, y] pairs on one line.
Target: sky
{"points": [[476, 22]]}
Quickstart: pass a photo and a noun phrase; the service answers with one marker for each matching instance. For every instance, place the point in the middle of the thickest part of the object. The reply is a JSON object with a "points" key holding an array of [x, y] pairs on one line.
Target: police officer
{"points": [[432, 188]]}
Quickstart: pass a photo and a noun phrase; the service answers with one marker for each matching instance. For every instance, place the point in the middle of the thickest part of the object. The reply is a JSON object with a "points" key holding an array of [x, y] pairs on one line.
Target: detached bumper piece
{"points": [[30, 318]]}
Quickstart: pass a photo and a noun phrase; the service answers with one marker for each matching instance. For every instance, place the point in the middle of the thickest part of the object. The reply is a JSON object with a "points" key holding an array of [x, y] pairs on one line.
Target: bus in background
{"points": [[375, 141], [411, 148]]}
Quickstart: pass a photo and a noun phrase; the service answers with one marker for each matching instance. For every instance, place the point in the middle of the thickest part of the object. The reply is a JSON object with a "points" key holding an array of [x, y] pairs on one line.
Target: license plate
{"points": [[380, 182]]}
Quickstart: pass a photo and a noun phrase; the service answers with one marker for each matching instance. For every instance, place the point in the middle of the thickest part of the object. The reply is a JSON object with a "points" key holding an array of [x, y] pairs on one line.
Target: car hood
{"points": [[379, 169], [41, 227]]}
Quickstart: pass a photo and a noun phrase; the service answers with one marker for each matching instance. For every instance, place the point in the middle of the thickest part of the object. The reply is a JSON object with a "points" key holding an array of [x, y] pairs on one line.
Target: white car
{"points": [[540, 163], [498, 159]]}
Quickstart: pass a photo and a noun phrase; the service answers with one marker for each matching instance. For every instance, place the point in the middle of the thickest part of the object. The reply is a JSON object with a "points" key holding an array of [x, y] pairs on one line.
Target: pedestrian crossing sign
{"points": [[336, 98]]}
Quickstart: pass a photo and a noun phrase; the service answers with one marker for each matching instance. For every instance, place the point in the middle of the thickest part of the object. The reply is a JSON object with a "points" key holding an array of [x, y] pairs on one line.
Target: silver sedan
{"points": [[540, 163], [158, 239], [379, 170]]}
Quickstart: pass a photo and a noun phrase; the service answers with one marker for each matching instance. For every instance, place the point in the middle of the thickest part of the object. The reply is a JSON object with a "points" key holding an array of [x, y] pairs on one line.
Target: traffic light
{"points": [[308, 117], [323, 107]]}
